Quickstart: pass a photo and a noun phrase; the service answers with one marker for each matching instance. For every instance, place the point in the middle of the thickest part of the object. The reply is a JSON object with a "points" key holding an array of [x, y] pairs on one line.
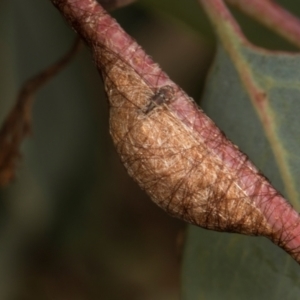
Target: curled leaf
{"points": [[173, 150]]}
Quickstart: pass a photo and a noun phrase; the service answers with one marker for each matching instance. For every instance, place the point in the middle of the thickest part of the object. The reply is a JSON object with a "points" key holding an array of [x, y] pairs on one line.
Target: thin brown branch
{"points": [[18, 123]]}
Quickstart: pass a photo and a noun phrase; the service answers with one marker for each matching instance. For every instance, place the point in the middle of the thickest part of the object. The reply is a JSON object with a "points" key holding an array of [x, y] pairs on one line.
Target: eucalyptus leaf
{"points": [[230, 266]]}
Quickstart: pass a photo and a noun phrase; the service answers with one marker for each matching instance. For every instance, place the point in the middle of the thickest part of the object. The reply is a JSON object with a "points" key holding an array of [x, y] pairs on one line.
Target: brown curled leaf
{"points": [[18, 123], [173, 150]]}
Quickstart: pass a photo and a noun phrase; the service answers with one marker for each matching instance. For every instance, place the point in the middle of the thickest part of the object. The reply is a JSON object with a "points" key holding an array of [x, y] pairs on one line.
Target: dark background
{"points": [[73, 224]]}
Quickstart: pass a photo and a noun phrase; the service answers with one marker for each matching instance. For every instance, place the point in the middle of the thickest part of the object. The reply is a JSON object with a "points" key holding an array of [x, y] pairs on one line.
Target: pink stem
{"points": [[272, 16], [280, 221]]}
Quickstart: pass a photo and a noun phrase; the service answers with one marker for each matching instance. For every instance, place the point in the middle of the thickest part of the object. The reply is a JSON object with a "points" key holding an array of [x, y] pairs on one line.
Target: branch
{"points": [[170, 147], [18, 123]]}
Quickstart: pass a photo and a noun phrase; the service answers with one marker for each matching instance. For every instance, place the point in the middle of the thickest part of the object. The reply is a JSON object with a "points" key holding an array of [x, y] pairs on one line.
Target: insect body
{"points": [[163, 96]]}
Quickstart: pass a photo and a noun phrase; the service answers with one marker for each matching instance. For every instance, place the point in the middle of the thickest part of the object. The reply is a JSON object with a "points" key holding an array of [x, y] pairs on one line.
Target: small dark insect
{"points": [[163, 96]]}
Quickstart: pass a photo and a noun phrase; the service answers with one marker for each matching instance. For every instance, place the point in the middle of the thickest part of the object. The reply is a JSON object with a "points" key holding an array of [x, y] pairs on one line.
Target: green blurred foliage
{"points": [[189, 14]]}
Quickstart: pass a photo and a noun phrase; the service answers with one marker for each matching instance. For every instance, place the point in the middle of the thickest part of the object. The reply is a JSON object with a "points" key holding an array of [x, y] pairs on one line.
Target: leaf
{"points": [[229, 266]]}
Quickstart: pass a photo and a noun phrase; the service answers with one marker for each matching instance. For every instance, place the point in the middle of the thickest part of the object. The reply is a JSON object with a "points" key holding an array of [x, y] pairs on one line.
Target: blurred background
{"points": [[73, 224]]}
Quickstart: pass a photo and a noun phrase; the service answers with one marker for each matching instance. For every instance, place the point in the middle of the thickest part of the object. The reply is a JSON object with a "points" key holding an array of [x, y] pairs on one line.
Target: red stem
{"points": [[272, 16]]}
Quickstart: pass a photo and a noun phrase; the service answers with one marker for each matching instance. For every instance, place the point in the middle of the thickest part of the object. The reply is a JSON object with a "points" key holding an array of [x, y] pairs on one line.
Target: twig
{"points": [[18, 123]]}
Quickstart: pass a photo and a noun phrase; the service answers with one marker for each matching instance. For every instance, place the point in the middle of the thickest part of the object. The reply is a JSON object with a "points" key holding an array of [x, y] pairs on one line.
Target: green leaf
{"points": [[230, 266]]}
